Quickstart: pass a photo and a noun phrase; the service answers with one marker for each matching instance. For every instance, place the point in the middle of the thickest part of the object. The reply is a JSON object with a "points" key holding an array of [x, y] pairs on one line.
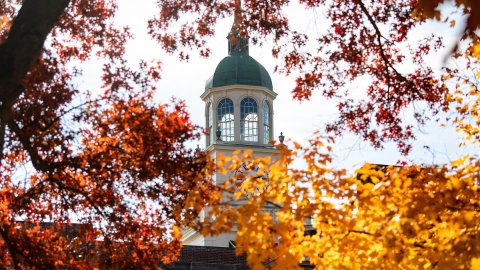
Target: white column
{"points": [[236, 114], [214, 123], [260, 123], [272, 123]]}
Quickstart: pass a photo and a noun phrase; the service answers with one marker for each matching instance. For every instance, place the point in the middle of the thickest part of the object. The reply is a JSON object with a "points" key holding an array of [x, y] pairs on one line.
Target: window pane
{"points": [[226, 119], [266, 122], [249, 120], [266, 132]]}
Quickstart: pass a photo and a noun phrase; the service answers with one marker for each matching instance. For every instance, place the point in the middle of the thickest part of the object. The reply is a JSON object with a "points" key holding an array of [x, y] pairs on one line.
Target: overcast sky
{"points": [[296, 120]]}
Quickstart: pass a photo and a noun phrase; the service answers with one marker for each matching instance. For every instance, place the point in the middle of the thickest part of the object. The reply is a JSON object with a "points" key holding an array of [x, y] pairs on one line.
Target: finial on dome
{"points": [[237, 44]]}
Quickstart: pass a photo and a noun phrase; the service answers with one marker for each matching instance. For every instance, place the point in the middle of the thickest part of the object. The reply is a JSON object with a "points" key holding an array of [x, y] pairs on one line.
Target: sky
{"points": [[297, 120]]}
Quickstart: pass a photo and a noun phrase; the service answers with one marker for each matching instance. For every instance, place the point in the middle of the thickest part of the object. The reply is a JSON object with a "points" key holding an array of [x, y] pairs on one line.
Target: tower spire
{"points": [[237, 42]]}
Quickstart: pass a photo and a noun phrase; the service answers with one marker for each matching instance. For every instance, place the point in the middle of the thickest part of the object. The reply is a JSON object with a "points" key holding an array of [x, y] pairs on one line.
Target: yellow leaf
{"points": [[375, 179], [368, 186], [476, 51], [407, 183], [176, 230], [456, 183], [469, 216], [459, 161], [475, 264]]}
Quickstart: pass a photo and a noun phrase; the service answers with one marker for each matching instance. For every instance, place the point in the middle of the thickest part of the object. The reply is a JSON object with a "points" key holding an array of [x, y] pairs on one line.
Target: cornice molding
{"points": [[241, 87]]}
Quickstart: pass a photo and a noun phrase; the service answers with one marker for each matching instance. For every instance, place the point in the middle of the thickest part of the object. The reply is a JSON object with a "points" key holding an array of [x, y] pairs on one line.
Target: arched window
{"points": [[225, 119], [249, 120], [266, 123], [211, 132]]}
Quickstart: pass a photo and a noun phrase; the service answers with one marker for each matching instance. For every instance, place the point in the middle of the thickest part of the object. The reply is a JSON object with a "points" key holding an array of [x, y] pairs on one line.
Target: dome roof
{"points": [[239, 68]]}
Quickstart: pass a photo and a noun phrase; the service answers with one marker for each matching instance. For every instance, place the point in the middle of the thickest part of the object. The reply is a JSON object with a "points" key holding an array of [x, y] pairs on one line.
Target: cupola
{"points": [[239, 67], [239, 96]]}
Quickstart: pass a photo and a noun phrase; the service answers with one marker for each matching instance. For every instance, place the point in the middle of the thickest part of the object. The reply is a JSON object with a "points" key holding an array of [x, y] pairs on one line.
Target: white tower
{"points": [[238, 114]]}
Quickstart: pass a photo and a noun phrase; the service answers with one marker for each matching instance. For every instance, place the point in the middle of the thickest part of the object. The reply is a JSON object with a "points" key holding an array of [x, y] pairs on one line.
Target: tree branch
{"points": [[37, 162], [24, 44], [61, 186], [13, 250], [379, 41]]}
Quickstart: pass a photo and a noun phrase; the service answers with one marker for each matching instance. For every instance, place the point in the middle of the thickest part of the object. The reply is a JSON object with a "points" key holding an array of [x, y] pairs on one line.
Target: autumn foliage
{"points": [[409, 217], [103, 178], [380, 217], [111, 160]]}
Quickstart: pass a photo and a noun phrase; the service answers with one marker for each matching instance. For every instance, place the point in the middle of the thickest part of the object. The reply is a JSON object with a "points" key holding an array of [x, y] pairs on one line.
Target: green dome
{"points": [[239, 68]]}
